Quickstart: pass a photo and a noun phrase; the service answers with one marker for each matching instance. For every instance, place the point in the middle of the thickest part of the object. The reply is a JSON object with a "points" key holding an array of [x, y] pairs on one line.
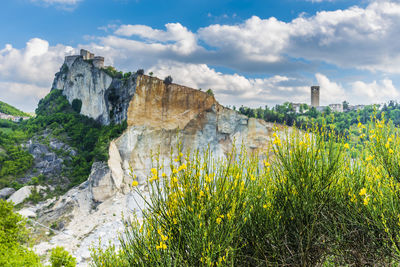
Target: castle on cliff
{"points": [[86, 55]]}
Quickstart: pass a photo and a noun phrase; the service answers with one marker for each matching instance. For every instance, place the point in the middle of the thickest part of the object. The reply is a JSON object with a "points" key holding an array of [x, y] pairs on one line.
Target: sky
{"points": [[252, 53]]}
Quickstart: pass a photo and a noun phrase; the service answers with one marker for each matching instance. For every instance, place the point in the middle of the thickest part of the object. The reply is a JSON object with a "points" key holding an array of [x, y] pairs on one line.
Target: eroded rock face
{"points": [[82, 80], [160, 116], [104, 98]]}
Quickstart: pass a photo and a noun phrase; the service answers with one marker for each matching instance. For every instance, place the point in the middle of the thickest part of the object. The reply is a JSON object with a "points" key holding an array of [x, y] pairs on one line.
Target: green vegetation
{"points": [[61, 258], [84, 134], [306, 201], [10, 110], [14, 160], [210, 92], [340, 121], [13, 239]]}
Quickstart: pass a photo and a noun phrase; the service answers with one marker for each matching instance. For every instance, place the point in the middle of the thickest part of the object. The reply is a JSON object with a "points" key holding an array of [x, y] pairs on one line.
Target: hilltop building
{"points": [[98, 62], [336, 107], [315, 96]]}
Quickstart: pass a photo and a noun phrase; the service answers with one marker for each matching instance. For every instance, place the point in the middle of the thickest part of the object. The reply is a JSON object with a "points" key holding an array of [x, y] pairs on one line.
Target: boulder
{"points": [[6, 192], [101, 184], [28, 213], [22, 194]]}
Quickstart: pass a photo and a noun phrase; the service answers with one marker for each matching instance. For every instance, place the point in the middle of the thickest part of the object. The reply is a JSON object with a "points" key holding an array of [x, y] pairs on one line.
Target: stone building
{"points": [[336, 107], [86, 54], [315, 96]]}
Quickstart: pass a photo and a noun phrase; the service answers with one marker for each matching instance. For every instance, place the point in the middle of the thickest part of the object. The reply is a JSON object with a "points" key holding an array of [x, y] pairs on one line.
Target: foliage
{"points": [[210, 92], [76, 105], [13, 236], [59, 257], [87, 136], [140, 72], [8, 109], [168, 80], [308, 200]]}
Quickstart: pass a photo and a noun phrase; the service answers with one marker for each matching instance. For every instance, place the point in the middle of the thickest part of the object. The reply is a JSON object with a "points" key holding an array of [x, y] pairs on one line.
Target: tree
{"points": [[151, 73], [210, 92], [345, 105], [77, 105], [168, 80], [140, 72]]}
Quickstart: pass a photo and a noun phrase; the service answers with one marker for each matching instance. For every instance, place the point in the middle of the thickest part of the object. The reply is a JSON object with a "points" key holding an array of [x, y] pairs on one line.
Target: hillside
{"points": [[10, 110]]}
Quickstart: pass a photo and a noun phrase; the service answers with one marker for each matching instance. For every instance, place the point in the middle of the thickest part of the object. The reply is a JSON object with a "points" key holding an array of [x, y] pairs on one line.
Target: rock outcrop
{"points": [[6, 192]]}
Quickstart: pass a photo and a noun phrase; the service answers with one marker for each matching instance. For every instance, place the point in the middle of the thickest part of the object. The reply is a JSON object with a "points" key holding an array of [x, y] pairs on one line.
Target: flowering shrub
{"points": [[312, 200]]}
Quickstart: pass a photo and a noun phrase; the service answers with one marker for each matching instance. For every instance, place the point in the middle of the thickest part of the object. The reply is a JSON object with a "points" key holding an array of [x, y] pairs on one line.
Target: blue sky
{"points": [[253, 53]]}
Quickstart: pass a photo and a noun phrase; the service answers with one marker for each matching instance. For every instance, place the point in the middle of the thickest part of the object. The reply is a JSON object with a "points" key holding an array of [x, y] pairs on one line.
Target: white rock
{"points": [[28, 213], [19, 196]]}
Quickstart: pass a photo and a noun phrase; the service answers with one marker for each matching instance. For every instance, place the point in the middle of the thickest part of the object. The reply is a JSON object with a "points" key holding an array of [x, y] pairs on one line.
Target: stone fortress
{"points": [[98, 61]]}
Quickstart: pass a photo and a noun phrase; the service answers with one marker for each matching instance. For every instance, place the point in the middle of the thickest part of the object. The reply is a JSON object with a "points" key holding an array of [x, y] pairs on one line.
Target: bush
{"points": [[61, 258], [76, 105], [13, 238], [140, 72], [168, 80], [210, 92]]}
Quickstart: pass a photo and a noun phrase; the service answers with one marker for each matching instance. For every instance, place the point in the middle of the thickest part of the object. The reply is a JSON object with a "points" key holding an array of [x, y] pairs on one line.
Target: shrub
{"points": [[13, 237], [210, 92], [76, 105], [168, 80], [61, 258], [140, 72]]}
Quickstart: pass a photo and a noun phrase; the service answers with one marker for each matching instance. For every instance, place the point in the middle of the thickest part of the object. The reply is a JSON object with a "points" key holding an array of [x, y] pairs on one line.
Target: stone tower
{"points": [[315, 96]]}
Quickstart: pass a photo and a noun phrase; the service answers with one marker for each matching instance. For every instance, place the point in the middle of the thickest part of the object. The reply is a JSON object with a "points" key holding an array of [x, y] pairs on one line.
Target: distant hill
{"points": [[10, 110]]}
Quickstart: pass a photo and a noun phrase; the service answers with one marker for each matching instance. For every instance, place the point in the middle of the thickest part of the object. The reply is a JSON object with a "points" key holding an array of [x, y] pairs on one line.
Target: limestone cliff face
{"points": [[104, 98], [159, 116]]}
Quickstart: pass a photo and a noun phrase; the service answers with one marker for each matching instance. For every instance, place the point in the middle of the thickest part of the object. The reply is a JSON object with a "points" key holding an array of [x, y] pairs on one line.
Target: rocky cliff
{"points": [[159, 115]]}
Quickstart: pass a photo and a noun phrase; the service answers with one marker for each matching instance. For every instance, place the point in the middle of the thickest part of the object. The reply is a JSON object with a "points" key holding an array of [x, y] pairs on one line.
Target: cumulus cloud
{"points": [[26, 74], [330, 92], [34, 64], [379, 92], [362, 38]]}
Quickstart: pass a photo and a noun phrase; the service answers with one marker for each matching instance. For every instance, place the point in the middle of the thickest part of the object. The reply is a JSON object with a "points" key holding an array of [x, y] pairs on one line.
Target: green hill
{"points": [[10, 110]]}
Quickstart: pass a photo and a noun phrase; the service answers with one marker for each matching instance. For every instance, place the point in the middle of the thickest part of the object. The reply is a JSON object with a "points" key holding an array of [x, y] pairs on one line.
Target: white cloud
{"points": [[26, 74], [34, 64], [21, 95], [375, 92], [330, 92]]}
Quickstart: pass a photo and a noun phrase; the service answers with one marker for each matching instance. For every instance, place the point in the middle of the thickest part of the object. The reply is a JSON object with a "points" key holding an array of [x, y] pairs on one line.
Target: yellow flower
{"points": [[391, 151], [135, 183], [366, 200], [390, 139], [369, 158], [182, 167], [219, 220], [154, 171], [163, 174], [175, 180], [161, 246], [252, 177], [346, 146], [363, 191], [387, 145], [359, 125], [164, 238], [201, 194]]}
